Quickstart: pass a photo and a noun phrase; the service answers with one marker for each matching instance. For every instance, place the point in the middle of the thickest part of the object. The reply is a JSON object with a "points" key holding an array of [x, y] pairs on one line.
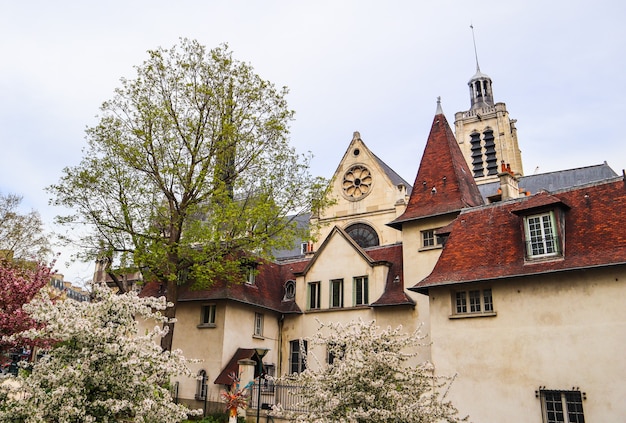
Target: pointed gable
{"points": [[444, 183]]}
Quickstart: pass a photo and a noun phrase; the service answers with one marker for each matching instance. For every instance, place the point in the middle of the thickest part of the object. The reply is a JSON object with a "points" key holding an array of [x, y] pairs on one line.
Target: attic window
{"points": [[541, 235], [290, 290], [356, 152], [250, 274]]}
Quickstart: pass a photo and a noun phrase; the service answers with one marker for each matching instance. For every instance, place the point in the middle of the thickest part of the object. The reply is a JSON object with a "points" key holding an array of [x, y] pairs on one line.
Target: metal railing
{"points": [[289, 396]]}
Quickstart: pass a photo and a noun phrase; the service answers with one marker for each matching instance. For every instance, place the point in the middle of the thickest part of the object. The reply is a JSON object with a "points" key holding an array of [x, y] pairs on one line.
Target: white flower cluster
{"points": [[371, 379], [99, 368]]}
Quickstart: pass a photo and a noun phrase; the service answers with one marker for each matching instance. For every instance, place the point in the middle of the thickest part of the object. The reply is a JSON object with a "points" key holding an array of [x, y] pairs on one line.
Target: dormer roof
{"points": [[486, 243], [444, 183]]}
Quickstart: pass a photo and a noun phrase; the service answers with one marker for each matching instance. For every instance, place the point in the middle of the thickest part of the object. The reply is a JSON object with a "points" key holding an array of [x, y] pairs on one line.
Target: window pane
{"points": [[336, 293], [488, 301], [208, 314], [361, 291], [461, 302], [258, 324], [314, 295], [554, 407], [574, 404], [428, 238], [474, 297], [541, 234], [298, 348]]}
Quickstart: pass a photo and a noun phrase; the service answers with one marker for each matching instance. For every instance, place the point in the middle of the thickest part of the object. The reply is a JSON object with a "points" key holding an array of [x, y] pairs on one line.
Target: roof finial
{"points": [[439, 109], [475, 52]]}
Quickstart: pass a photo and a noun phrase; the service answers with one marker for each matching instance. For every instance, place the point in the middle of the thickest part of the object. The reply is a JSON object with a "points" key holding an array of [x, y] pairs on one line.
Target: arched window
{"points": [[290, 290], [363, 234], [201, 386]]}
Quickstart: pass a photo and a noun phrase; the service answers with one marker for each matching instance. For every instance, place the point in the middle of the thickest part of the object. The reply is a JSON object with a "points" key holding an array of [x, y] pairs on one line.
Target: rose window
{"points": [[357, 181]]}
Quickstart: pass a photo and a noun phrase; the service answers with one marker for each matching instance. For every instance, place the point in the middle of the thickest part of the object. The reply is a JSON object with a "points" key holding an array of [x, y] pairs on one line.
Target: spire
{"points": [[481, 94], [444, 183], [475, 51], [439, 109]]}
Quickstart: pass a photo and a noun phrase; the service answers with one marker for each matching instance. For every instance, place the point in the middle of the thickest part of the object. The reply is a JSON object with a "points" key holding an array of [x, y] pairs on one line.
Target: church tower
{"points": [[486, 134]]}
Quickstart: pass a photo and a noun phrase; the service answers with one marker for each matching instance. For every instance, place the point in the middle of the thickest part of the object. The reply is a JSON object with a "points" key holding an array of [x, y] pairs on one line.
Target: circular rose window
{"points": [[357, 182]]}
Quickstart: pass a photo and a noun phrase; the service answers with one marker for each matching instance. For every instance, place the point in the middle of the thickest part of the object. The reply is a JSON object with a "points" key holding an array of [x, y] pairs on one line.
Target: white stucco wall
{"points": [[559, 331]]}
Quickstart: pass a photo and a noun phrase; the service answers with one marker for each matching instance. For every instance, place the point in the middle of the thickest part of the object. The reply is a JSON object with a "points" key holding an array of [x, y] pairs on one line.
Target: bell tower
{"points": [[486, 134]]}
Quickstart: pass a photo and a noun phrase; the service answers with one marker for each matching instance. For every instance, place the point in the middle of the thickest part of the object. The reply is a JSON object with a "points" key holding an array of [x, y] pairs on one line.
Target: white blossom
{"points": [[99, 368], [373, 378]]}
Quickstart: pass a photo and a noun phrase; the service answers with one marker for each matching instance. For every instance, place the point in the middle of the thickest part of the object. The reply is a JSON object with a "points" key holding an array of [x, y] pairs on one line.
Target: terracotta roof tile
{"points": [[394, 285], [266, 292], [486, 243], [224, 378], [444, 183]]}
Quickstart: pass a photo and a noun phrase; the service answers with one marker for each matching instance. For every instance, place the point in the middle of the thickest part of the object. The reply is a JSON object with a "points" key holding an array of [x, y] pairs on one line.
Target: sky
{"points": [[376, 67]]}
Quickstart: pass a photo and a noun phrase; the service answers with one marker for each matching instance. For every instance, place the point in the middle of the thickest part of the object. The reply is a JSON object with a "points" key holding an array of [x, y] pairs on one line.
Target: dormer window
{"points": [[430, 240], [541, 235], [543, 226], [249, 273]]}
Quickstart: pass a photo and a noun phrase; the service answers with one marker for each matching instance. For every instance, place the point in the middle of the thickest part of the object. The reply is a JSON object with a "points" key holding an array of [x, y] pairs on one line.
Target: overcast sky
{"points": [[371, 66]]}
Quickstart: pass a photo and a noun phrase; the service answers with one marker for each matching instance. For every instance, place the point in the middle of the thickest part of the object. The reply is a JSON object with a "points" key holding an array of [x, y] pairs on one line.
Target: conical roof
{"points": [[444, 183]]}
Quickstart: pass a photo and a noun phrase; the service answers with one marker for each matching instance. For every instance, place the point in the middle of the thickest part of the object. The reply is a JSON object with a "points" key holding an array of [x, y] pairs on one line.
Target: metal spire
{"points": [[475, 52]]}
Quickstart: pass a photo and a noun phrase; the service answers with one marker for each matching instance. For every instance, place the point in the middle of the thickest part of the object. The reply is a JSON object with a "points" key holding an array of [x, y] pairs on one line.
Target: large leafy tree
{"points": [[373, 377], [22, 235], [189, 171], [99, 367]]}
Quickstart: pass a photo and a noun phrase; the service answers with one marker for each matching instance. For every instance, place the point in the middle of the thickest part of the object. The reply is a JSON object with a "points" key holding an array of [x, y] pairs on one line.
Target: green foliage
{"points": [[22, 236], [189, 170]]}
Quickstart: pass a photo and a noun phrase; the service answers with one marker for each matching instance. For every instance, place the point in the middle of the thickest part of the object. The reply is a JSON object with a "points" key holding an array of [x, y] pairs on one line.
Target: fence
{"points": [[289, 396]]}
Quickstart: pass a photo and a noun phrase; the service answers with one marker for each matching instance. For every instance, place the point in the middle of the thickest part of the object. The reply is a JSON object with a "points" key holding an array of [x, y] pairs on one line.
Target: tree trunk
{"points": [[170, 313]]}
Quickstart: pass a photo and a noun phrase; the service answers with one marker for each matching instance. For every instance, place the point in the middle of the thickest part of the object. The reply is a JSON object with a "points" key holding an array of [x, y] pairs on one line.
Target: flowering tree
{"points": [[18, 285], [99, 368], [369, 379]]}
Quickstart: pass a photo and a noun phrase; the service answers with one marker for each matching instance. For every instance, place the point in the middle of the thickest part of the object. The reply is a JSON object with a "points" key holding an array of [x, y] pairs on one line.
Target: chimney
{"points": [[508, 183]]}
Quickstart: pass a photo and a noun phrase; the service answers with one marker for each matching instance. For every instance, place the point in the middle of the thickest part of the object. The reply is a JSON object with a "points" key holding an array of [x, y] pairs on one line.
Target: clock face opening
{"points": [[357, 182]]}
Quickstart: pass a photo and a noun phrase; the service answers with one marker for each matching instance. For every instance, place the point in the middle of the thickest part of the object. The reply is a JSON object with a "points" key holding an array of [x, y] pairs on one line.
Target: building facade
{"points": [[517, 280]]}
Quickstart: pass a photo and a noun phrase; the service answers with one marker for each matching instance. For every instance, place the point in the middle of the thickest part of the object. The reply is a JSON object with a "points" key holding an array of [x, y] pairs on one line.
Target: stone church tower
{"points": [[486, 134]]}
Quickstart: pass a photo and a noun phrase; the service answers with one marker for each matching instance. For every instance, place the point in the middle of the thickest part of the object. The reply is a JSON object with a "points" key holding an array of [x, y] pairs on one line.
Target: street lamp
{"points": [[260, 352]]}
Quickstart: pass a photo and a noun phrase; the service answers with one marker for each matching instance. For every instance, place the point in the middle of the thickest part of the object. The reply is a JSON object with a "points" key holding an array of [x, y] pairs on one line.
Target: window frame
{"points": [[208, 315], [472, 302], [546, 241], [250, 275], [336, 287], [259, 321], [564, 406], [429, 240], [360, 285], [298, 349], [313, 295], [290, 290], [201, 386]]}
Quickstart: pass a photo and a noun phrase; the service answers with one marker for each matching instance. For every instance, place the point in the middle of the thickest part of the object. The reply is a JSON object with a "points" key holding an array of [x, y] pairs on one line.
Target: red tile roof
{"points": [[232, 368], [268, 290], [486, 243], [444, 183], [394, 286]]}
